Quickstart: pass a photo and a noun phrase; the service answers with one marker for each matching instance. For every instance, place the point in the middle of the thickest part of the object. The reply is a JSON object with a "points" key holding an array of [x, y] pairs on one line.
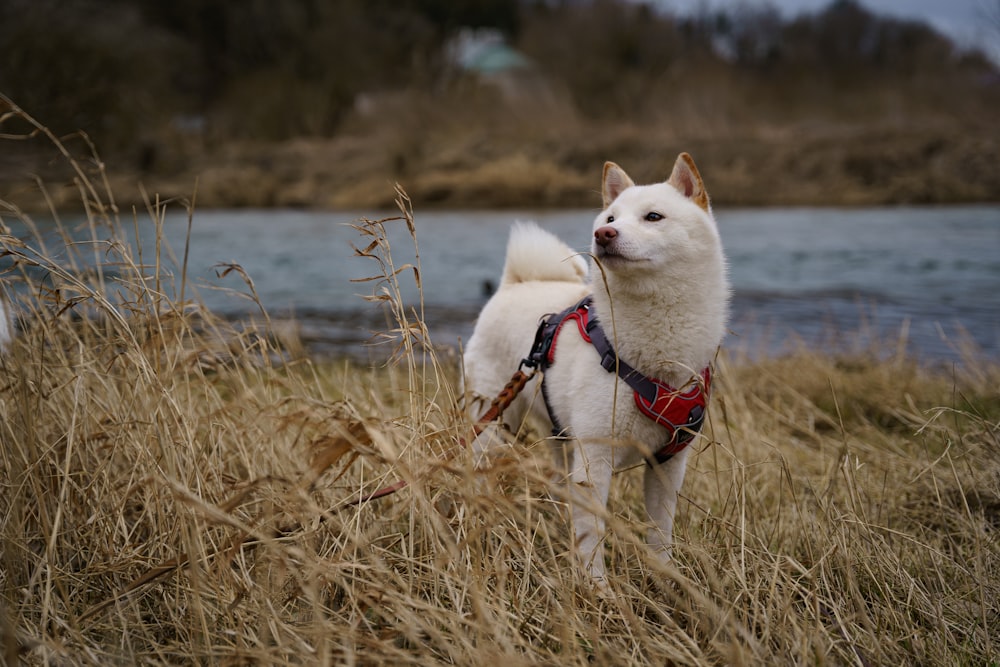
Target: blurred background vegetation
{"points": [[501, 102]]}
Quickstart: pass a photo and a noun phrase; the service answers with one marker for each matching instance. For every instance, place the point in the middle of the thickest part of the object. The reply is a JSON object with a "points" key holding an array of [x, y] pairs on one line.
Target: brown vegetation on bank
{"points": [[319, 104]]}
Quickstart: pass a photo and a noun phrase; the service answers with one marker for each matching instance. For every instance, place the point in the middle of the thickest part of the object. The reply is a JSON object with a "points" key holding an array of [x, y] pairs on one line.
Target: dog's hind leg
{"points": [[661, 484]]}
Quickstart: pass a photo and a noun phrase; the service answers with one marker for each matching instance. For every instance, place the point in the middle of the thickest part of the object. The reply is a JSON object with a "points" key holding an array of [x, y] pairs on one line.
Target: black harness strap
{"points": [[681, 413], [542, 352]]}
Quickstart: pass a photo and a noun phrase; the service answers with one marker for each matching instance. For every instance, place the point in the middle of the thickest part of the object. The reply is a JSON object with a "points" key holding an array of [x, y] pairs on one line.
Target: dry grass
{"points": [[179, 491]]}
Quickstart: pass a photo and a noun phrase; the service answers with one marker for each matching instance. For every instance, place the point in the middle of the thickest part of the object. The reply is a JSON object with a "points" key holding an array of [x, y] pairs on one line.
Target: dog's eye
{"points": [[611, 219], [653, 216]]}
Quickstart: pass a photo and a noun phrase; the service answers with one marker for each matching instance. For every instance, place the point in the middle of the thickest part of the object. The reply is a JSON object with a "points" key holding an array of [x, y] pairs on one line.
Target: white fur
{"points": [[530, 252], [661, 293]]}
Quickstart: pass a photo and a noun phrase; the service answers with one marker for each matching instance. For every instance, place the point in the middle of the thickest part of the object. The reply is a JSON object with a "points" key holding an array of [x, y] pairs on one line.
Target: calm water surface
{"points": [[819, 277]]}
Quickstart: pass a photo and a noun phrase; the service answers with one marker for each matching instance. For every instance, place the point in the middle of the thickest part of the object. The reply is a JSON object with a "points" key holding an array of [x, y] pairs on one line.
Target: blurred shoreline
{"points": [[558, 167]]}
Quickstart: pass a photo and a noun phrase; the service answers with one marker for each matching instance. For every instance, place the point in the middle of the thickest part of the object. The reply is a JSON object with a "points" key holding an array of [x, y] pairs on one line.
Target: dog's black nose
{"points": [[605, 235]]}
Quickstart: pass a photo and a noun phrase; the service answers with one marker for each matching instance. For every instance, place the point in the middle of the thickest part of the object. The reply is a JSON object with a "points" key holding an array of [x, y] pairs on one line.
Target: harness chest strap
{"points": [[680, 413]]}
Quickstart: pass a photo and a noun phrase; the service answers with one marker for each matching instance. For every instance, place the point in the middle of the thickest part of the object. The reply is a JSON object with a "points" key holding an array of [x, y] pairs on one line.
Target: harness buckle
{"points": [[609, 361], [540, 347], [695, 419]]}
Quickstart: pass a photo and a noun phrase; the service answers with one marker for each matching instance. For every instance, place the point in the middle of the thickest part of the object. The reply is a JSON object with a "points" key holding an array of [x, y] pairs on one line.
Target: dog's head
{"points": [[646, 230]]}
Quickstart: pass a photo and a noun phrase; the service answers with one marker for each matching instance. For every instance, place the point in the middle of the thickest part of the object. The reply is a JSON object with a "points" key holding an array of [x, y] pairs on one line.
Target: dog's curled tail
{"points": [[535, 254]]}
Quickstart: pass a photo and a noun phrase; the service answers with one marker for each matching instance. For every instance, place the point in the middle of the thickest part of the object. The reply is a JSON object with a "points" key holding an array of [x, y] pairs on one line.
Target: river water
{"points": [[924, 277]]}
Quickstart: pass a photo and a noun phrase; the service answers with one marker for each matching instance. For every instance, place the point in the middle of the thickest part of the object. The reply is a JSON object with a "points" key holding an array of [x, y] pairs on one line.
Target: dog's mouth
{"points": [[611, 257], [602, 252]]}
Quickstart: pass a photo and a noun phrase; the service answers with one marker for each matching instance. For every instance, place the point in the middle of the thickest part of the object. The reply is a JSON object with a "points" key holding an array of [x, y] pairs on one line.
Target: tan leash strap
{"points": [[503, 400]]}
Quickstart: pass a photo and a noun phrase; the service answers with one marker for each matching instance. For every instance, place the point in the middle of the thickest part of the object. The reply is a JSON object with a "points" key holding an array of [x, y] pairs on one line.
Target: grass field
{"points": [[177, 489]]}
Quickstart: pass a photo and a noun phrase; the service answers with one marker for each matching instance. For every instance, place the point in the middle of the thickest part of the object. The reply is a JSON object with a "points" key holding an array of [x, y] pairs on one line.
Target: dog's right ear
{"points": [[614, 182]]}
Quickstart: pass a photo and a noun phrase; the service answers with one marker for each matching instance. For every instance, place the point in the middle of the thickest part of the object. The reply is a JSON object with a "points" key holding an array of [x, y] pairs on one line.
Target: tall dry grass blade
{"points": [[328, 452]]}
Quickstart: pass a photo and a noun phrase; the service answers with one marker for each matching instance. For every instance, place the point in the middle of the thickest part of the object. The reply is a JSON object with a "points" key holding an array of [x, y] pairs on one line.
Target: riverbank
{"points": [[551, 167]]}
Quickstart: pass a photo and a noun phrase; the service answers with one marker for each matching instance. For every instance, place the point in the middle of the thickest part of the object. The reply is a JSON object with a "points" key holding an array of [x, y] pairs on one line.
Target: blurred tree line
{"points": [[262, 69]]}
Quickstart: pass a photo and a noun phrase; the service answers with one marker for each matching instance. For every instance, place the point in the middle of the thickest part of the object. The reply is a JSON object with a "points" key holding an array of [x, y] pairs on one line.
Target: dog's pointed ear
{"points": [[686, 179], [614, 182]]}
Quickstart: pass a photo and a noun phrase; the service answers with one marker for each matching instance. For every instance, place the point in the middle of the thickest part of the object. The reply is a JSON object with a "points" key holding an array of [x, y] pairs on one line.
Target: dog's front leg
{"points": [[661, 485], [590, 483]]}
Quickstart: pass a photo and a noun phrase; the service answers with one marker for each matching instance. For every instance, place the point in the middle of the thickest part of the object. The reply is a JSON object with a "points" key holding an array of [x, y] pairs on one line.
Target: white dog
{"points": [[659, 290]]}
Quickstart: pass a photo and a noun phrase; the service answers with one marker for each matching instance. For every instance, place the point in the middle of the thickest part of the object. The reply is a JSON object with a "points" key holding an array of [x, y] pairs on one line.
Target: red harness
{"points": [[680, 413]]}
